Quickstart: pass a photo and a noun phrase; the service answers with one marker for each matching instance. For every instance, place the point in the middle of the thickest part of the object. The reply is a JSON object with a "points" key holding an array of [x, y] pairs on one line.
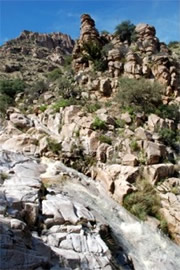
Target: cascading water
{"points": [[149, 249]]}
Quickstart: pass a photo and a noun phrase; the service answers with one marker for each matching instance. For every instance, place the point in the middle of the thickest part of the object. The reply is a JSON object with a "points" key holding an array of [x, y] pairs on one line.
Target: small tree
{"points": [[125, 31], [93, 52]]}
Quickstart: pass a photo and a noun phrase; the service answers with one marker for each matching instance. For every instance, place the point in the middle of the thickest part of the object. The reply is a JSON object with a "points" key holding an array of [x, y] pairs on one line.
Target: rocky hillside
{"points": [[106, 107], [32, 54]]}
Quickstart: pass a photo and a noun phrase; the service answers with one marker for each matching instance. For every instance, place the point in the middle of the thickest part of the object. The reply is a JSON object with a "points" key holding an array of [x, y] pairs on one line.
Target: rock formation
{"points": [[147, 41], [88, 34], [147, 56], [32, 54]]}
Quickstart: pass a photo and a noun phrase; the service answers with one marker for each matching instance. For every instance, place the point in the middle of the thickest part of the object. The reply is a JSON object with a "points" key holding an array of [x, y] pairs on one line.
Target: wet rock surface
{"points": [[46, 227]]}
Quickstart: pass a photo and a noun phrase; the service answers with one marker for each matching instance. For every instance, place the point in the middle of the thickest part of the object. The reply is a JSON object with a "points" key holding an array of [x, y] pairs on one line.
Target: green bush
{"points": [[62, 103], [119, 123], [99, 124], [105, 139], [168, 111], [8, 91], [141, 95], [125, 31], [93, 52], [172, 44], [33, 92], [5, 102], [92, 107], [55, 74], [100, 65], [67, 60], [43, 107], [143, 202], [168, 136], [39, 87], [66, 87], [134, 146], [11, 87]]}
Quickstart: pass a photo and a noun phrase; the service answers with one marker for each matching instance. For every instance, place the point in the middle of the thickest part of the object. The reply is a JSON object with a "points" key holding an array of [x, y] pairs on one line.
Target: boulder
{"points": [[105, 87], [158, 172], [130, 160], [154, 152], [20, 121]]}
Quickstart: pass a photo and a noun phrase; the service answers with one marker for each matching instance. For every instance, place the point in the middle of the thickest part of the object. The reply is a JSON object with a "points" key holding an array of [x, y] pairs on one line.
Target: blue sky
{"points": [[64, 16]]}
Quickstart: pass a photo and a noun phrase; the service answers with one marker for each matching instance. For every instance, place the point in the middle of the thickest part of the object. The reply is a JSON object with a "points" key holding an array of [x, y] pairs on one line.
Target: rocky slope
{"points": [[73, 113], [32, 55]]}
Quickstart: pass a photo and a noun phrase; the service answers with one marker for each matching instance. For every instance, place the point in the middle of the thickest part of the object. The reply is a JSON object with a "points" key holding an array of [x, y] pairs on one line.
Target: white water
{"points": [[149, 249]]}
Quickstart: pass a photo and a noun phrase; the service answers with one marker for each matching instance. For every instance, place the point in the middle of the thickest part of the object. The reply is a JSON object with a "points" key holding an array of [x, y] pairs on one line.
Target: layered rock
{"points": [[147, 41], [132, 67], [88, 31], [88, 34]]}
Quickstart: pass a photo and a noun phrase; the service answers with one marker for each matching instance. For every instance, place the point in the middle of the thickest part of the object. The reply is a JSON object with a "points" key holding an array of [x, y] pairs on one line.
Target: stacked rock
{"points": [[147, 41]]}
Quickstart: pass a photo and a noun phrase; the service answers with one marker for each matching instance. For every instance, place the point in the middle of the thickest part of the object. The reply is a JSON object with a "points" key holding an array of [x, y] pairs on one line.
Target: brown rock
{"points": [[158, 172], [130, 160], [154, 152]]}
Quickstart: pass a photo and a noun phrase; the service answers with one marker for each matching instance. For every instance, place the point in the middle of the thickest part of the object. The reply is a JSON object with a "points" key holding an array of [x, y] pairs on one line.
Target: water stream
{"points": [[149, 249]]}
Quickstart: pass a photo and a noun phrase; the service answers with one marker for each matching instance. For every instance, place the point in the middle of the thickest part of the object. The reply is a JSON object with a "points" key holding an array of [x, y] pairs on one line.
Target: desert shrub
{"points": [[34, 91], [100, 65], [105, 139], [54, 146], [8, 90], [5, 102], [119, 123], [92, 107], [67, 60], [168, 111], [134, 146], [142, 158], [99, 124], [141, 94], [3, 176], [125, 31], [106, 48], [11, 87], [93, 52], [66, 87], [62, 103], [55, 74], [168, 136], [143, 202], [43, 107], [39, 87], [173, 44]]}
